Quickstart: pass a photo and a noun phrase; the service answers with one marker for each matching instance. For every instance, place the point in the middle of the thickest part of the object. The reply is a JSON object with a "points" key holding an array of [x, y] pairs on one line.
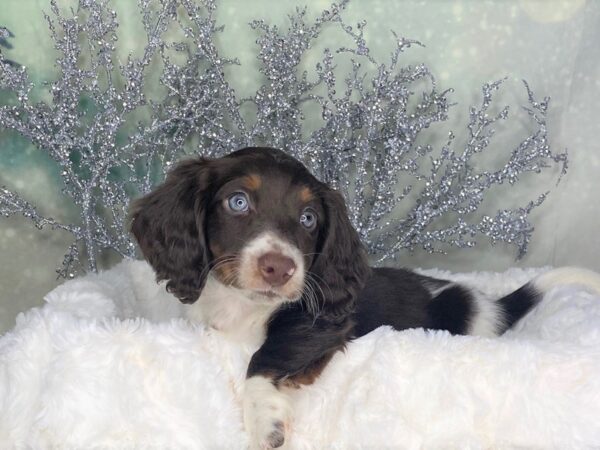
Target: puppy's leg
{"points": [[295, 352], [267, 412]]}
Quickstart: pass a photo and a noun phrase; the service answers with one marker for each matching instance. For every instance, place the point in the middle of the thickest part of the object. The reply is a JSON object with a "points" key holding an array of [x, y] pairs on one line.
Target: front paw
{"points": [[267, 413]]}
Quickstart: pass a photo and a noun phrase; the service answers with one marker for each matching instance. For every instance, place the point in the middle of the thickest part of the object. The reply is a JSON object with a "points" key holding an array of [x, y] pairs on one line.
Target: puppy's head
{"points": [[258, 221]]}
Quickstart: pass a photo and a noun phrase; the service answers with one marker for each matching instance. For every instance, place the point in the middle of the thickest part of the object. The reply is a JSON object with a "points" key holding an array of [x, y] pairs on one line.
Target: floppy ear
{"points": [[168, 224], [341, 263]]}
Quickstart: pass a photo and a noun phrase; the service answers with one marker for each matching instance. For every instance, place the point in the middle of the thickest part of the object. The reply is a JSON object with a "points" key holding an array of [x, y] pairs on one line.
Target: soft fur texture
{"points": [[109, 361], [267, 253], [262, 248]]}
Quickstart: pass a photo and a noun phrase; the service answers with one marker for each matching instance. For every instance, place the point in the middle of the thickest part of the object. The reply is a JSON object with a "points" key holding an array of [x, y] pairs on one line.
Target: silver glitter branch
{"points": [[11, 204], [364, 132], [5, 35], [455, 186], [79, 128]]}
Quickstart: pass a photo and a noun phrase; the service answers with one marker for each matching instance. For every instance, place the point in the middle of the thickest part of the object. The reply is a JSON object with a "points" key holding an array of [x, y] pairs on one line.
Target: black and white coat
{"points": [[265, 254]]}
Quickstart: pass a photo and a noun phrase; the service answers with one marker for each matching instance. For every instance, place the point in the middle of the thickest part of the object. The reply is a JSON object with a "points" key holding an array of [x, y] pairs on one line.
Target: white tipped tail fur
{"points": [[494, 317], [565, 276]]}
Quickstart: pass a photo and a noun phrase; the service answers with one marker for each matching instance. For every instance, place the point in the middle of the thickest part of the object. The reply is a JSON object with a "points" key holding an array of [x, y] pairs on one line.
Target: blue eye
{"points": [[308, 219], [238, 202]]}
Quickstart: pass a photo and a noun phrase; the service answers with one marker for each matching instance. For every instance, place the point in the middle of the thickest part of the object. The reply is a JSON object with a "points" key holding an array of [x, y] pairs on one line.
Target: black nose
{"points": [[275, 268]]}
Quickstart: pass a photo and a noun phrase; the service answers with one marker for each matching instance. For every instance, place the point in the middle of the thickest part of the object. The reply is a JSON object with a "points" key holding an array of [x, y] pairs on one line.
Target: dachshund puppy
{"points": [[268, 256]]}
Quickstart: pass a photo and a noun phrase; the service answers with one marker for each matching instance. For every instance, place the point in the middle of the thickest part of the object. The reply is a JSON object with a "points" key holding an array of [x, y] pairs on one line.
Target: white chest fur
{"points": [[233, 313]]}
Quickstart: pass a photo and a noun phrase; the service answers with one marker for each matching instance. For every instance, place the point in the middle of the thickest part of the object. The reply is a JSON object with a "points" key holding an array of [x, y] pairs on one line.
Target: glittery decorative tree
{"points": [[5, 35], [113, 141]]}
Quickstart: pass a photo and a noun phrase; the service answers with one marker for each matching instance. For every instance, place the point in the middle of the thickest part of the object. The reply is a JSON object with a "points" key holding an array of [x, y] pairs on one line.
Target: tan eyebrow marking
{"points": [[306, 194], [252, 182]]}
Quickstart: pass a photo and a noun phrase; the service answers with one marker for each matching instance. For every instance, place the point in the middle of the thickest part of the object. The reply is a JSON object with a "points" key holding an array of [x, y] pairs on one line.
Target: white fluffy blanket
{"points": [[109, 362]]}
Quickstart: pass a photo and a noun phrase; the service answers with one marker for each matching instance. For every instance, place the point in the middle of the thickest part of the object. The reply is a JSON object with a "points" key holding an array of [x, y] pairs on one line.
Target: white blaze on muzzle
{"points": [[272, 266]]}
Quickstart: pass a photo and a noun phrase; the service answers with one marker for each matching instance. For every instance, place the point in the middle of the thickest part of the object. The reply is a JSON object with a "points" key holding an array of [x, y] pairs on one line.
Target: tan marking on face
{"points": [[226, 274], [306, 195], [252, 182]]}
